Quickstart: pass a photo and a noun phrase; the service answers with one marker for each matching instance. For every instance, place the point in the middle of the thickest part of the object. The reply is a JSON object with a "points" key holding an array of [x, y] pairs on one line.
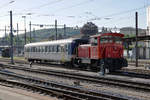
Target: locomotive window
{"points": [[118, 40], [106, 39], [94, 41]]}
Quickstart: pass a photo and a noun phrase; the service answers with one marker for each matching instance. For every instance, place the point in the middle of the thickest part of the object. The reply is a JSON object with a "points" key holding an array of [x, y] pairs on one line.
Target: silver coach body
{"points": [[57, 50]]}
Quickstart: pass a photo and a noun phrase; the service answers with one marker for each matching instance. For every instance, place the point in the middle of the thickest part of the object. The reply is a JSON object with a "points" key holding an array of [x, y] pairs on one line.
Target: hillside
{"points": [[42, 35]]}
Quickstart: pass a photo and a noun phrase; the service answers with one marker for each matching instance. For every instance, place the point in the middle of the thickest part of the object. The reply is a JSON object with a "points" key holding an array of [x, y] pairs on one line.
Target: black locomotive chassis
{"points": [[115, 63], [110, 63]]}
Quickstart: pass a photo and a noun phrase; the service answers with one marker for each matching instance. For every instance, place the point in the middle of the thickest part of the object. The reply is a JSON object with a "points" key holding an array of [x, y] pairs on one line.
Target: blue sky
{"points": [[108, 13]]}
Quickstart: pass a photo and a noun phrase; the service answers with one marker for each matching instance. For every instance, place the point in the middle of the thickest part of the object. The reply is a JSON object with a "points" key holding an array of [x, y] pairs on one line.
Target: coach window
{"points": [[55, 48], [37, 49], [31, 49], [62, 48], [45, 48], [42, 49], [66, 48], [28, 49], [59, 48], [52, 48], [25, 50], [49, 48]]}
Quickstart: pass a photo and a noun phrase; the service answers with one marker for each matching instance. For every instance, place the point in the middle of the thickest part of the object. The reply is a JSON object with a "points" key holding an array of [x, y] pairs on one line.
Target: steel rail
{"points": [[99, 80], [69, 90]]}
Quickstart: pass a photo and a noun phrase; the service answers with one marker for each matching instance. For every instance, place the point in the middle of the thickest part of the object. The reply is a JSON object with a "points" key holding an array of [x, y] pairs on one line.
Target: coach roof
{"points": [[63, 41]]}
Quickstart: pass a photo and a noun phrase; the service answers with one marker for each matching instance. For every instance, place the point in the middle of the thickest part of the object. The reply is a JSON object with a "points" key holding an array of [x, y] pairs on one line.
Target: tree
{"points": [[89, 29]]}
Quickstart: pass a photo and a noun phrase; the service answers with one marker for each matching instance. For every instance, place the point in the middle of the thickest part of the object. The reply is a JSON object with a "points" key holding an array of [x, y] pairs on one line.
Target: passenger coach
{"points": [[57, 50]]}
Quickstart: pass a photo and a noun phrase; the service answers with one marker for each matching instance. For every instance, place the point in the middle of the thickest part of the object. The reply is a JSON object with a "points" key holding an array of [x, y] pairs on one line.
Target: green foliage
{"points": [[129, 35], [89, 29]]}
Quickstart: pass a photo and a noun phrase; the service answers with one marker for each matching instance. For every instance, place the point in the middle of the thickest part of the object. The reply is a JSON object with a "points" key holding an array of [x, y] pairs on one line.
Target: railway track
{"points": [[60, 90], [138, 73], [131, 74], [95, 79]]}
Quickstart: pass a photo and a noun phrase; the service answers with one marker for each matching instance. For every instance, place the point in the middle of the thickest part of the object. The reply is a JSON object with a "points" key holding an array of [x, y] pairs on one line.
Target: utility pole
{"points": [[34, 34], [5, 36], [24, 29], [136, 45], [65, 30], [11, 38], [17, 40], [30, 31], [56, 28]]}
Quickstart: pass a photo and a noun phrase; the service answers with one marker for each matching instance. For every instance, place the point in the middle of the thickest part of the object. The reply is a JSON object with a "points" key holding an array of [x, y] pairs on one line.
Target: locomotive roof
{"points": [[109, 34], [63, 41]]}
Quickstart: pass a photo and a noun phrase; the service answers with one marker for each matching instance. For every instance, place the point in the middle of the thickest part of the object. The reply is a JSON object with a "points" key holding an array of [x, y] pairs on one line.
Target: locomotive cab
{"points": [[111, 51]]}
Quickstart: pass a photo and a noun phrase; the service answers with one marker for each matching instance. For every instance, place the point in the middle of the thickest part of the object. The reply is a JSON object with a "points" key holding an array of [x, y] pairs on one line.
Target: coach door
{"points": [[63, 53]]}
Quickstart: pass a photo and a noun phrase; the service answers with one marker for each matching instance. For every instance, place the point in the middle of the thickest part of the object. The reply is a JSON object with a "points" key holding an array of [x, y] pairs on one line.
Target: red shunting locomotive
{"points": [[106, 48]]}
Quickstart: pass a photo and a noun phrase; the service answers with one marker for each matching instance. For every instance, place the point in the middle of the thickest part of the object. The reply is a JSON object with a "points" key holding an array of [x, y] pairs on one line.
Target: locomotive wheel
{"points": [[76, 63]]}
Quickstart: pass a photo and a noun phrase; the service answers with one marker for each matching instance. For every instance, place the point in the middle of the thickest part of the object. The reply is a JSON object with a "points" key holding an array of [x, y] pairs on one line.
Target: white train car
{"points": [[57, 50]]}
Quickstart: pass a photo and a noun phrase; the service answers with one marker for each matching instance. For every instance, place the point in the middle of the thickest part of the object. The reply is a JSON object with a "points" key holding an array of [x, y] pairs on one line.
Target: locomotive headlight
{"points": [[115, 48]]}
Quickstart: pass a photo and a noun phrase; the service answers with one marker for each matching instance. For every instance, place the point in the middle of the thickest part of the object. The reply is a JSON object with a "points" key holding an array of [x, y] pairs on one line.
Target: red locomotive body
{"points": [[107, 47]]}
